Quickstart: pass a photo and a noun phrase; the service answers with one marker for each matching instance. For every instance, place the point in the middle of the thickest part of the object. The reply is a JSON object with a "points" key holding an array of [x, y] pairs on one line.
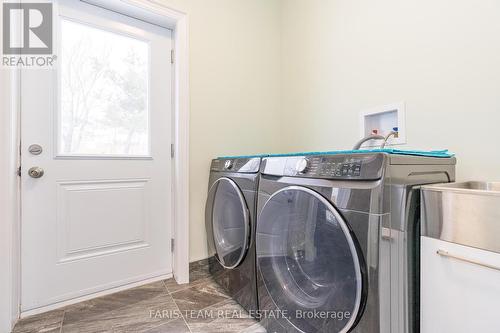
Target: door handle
{"points": [[35, 172], [444, 253]]}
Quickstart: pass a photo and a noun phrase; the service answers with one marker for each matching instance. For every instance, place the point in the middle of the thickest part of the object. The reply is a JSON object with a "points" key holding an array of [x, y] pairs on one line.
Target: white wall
{"points": [[292, 75], [234, 87], [441, 57]]}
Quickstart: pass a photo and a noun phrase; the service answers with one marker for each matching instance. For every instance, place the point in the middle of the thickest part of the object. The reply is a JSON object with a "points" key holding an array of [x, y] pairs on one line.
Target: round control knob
{"points": [[301, 165], [228, 164]]}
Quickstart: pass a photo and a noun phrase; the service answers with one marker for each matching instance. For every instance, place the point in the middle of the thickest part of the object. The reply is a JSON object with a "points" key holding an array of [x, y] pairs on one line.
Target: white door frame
{"points": [[148, 10]]}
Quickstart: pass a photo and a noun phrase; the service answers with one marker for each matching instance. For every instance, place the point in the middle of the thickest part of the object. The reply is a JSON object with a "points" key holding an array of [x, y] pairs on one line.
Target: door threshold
{"points": [[106, 292]]}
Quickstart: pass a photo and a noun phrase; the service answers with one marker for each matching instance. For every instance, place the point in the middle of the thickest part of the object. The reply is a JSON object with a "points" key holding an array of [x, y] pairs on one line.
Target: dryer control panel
{"points": [[348, 167], [241, 165]]}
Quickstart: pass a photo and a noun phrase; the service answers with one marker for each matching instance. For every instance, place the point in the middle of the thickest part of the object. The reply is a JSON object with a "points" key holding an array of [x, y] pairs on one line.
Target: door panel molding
{"points": [[125, 234]]}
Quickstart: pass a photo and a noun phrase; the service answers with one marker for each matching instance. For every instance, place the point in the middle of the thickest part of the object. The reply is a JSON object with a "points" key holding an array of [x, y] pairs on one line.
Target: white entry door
{"points": [[99, 126]]}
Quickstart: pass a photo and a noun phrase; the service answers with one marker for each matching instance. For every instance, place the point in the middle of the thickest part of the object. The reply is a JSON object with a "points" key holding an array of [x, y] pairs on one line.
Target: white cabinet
{"points": [[458, 294]]}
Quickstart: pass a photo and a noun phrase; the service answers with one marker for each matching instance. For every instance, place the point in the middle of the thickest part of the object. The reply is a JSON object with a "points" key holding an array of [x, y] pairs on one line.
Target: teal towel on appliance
{"points": [[426, 153]]}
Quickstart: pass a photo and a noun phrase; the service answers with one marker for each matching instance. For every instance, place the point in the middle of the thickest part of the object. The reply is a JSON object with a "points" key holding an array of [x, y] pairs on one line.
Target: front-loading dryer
{"points": [[230, 226], [336, 241]]}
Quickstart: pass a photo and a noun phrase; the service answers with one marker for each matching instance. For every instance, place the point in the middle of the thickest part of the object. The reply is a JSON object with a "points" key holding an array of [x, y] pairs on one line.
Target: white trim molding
{"points": [[181, 177]]}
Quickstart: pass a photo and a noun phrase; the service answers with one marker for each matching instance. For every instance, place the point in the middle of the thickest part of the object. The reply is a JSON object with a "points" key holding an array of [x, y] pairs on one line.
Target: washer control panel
{"points": [[338, 169], [349, 167]]}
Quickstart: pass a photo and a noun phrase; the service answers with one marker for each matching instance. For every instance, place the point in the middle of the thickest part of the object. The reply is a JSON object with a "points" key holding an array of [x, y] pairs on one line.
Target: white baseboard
{"points": [[62, 304]]}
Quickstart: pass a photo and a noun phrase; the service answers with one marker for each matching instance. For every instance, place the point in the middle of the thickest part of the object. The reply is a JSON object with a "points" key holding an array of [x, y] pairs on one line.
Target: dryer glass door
{"points": [[309, 262], [230, 223]]}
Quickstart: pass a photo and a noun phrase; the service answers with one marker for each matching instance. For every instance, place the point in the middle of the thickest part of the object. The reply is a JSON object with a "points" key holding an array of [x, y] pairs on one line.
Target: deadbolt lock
{"points": [[35, 149]]}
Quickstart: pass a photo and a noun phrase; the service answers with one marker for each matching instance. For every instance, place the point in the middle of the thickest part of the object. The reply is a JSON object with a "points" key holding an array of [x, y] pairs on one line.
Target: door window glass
{"points": [[103, 92]]}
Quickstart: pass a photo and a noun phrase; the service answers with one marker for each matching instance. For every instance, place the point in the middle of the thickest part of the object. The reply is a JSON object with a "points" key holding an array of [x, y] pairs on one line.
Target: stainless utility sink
{"points": [[465, 213], [472, 185]]}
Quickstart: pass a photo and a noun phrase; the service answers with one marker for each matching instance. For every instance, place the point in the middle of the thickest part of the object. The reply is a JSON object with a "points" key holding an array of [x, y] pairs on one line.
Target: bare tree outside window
{"points": [[104, 92]]}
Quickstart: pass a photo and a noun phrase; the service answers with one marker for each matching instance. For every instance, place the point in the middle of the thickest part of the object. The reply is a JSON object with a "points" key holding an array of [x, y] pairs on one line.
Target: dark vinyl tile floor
{"points": [[160, 307]]}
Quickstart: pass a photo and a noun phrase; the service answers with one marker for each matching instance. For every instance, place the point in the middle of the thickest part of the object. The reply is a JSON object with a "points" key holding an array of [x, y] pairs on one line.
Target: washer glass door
{"points": [[309, 261], [230, 223]]}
